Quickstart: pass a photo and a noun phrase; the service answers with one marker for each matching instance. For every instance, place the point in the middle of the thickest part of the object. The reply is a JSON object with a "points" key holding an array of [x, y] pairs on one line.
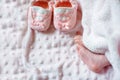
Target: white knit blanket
{"points": [[52, 56], [101, 24]]}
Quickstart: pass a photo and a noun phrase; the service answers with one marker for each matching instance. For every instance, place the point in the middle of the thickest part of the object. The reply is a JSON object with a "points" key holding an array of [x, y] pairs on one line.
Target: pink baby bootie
{"points": [[40, 14], [65, 14]]}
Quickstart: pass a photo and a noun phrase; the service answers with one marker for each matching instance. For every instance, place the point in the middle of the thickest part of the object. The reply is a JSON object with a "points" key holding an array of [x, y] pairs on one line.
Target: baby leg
{"points": [[95, 62]]}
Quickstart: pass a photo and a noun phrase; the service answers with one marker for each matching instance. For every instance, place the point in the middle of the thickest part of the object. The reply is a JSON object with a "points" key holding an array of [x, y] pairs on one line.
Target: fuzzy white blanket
{"points": [[52, 56], [101, 24]]}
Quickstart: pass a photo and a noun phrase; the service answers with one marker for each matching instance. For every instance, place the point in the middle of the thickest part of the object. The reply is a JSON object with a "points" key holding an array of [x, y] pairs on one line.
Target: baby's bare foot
{"points": [[95, 62]]}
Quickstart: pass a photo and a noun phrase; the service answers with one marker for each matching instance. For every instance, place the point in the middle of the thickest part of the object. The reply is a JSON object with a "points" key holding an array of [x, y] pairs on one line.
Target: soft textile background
{"points": [[52, 56]]}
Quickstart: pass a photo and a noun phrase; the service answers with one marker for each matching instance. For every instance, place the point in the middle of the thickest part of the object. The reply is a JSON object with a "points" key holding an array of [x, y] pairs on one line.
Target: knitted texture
{"points": [[51, 55]]}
